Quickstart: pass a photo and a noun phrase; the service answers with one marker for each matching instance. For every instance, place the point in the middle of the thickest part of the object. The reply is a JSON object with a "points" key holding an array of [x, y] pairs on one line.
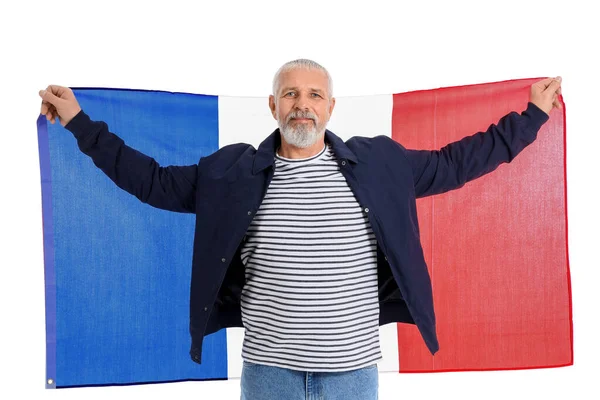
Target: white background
{"points": [[225, 48]]}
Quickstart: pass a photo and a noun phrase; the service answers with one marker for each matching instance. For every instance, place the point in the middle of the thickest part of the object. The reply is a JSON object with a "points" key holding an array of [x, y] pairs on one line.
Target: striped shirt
{"points": [[310, 301]]}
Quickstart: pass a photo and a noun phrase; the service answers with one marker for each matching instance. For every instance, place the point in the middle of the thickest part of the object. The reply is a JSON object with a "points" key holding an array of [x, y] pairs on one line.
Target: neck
{"points": [[288, 151]]}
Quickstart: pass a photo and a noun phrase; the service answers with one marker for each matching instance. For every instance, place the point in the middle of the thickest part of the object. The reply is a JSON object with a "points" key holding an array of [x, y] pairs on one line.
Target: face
{"points": [[302, 106]]}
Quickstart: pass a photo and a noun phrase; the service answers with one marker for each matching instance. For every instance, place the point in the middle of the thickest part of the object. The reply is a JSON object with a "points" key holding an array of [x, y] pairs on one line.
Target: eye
{"points": [[316, 94]]}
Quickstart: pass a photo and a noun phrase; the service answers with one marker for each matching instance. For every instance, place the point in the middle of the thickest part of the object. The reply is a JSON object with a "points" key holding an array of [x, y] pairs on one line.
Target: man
{"points": [[308, 242]]}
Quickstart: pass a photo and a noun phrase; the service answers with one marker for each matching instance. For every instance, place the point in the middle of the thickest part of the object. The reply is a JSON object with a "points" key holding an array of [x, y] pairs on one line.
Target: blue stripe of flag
{"points": [[122, 268]]}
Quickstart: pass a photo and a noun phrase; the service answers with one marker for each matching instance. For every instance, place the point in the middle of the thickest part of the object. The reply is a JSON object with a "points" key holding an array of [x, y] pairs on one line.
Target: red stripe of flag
{"points": [[496, 248]]}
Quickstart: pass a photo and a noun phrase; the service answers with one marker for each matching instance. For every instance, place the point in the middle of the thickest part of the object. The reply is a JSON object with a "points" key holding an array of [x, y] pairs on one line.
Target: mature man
{"points": [[308, 242]]}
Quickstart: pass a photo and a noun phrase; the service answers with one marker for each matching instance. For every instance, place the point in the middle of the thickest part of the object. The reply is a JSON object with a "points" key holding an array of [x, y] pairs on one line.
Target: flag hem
{"points": [[48, 235]]}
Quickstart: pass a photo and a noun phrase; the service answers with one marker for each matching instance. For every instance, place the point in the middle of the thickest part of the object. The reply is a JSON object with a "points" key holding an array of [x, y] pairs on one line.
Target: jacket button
{"points": [[367, 209], [385, 258], [205, 308], [222, 260], [343, 162], [249, 212]]}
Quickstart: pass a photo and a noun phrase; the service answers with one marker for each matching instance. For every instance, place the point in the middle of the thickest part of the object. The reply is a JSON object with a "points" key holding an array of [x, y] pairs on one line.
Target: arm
{"points": [[457, 163], [170, 188]]}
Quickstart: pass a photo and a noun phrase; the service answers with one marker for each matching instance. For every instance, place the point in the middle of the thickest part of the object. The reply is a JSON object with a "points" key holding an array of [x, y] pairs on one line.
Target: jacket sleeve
{"points": [[171, 188], [439, 171]]}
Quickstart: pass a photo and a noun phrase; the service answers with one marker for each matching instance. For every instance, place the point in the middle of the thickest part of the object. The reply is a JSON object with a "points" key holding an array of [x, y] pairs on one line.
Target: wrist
{"points": [[73, 114]]}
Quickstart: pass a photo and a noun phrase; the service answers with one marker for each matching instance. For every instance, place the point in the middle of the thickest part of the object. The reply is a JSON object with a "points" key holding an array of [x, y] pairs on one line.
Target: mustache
{"points": [[301, 114]]}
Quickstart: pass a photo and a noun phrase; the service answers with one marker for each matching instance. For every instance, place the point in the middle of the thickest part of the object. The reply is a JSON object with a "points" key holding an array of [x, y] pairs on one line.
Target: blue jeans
{"points": [[264, 382]]}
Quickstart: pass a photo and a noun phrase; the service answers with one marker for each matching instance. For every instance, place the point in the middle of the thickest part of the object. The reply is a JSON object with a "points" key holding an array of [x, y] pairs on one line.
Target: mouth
{"points": [[302, 119]]}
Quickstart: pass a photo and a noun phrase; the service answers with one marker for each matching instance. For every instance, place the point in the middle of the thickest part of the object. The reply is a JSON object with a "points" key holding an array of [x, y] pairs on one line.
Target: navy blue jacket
{"points": [[225, 189]]}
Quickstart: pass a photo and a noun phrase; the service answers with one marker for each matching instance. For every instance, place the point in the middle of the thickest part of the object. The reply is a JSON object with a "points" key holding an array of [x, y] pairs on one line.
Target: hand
{"points": [[59, 102], [545, 94]]}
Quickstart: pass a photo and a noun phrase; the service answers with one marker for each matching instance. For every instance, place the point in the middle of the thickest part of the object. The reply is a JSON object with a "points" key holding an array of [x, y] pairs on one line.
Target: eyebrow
{"points": [[285, 90]]}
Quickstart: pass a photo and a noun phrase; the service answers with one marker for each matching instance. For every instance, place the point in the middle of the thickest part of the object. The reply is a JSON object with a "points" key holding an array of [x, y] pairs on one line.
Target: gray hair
{"points": [[302, 63]]}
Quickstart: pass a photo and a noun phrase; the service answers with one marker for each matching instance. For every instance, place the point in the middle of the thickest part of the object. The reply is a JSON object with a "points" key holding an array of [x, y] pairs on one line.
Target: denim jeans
{"points": [[264, 382]]}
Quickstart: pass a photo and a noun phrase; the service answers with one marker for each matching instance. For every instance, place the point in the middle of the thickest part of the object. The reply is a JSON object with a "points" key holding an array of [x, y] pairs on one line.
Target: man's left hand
{"points": [[545, 94]]}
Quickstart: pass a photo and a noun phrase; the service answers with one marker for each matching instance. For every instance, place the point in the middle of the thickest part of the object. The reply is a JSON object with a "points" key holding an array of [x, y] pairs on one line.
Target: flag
{"points": [[117, 271]]}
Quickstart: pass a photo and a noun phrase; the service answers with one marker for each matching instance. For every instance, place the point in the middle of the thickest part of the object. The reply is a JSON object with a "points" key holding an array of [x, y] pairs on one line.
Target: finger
{"points": [[58, 91], [49, 97], [47, 107], [544, 83], [52, 112], [556, 100], [554, 85], [557, 103]]}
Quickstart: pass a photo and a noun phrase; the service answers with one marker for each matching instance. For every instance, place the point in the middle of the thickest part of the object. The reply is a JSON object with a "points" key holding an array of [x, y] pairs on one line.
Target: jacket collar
{"points": [[265, 155]]}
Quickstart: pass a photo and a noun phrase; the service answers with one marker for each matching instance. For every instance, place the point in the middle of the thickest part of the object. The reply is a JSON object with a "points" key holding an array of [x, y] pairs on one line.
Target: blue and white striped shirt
{"points": [[310, 301]]}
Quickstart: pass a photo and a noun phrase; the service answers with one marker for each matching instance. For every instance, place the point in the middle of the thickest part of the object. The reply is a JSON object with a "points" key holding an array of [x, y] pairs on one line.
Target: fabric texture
{"points": [[118, 275]]}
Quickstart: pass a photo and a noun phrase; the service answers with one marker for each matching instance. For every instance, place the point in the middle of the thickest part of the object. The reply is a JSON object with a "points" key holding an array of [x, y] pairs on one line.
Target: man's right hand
{"points": [[59, 102]]}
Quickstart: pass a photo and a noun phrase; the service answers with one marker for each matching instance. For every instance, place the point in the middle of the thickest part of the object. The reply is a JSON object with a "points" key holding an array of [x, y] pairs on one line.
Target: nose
{"points": [[302, 102]]}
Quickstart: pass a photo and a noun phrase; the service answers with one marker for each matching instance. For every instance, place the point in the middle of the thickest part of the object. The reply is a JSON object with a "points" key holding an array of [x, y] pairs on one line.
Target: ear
{"points": [[272, 106], [331, 105]]}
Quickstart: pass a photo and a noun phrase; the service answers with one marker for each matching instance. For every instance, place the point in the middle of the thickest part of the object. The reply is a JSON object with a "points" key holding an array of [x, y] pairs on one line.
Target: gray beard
{"points": [[301, 136]]}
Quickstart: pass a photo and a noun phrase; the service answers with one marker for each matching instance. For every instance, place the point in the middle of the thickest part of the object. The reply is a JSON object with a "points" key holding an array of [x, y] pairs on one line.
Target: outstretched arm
{"points": [[449, 168], [170, 188]]}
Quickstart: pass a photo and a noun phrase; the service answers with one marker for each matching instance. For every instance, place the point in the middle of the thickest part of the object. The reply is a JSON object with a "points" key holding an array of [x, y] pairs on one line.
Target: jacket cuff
{"points": [[81, 125], [536, 117]]}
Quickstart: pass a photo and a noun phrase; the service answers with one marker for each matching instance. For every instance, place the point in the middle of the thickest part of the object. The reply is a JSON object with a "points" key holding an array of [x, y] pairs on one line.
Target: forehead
{"points": [[303, 78]]}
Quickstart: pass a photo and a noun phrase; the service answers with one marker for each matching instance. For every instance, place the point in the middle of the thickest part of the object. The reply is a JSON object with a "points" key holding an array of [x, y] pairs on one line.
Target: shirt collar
{"points": [[265, 155]]}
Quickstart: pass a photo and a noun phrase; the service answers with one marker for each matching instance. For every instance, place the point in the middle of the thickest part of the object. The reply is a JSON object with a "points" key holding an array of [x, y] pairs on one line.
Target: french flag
{"points": [[117, 272]]}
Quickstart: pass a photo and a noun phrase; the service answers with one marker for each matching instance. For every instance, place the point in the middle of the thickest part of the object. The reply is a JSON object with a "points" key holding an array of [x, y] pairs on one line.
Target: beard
{"points": [[301, 134]]}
